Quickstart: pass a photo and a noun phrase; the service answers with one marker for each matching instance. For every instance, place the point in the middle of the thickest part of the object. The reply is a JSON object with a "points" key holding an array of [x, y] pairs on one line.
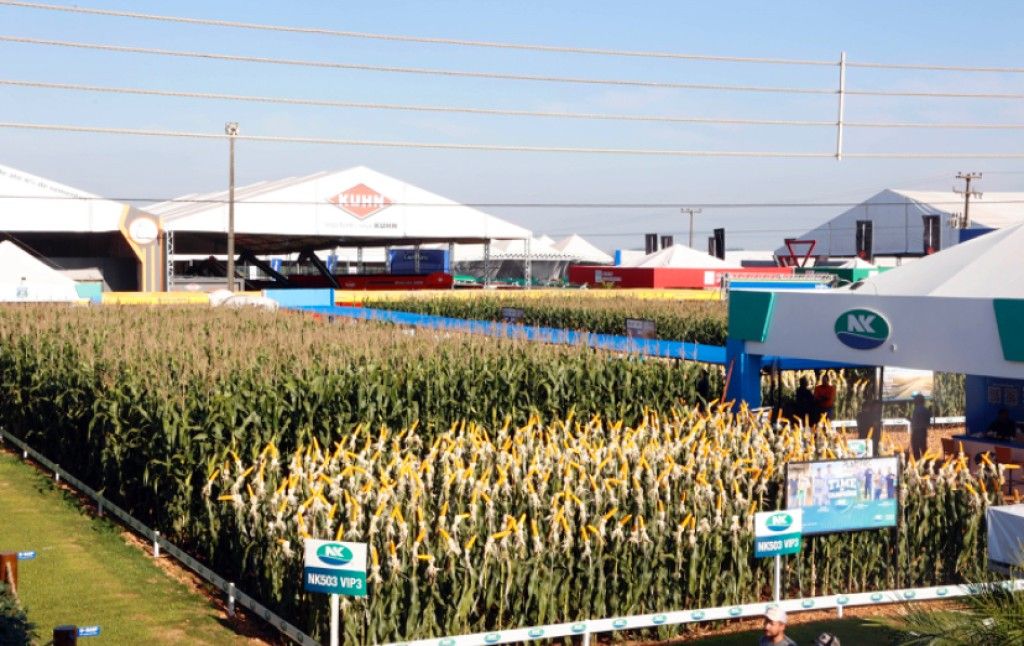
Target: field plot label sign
{"points": [[778, 532], [862, 329], [333, 567]]}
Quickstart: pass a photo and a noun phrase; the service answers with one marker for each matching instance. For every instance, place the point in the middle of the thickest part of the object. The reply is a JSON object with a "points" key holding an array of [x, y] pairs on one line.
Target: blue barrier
{"points": [[301, 297], [714, 354], [648, 347]]}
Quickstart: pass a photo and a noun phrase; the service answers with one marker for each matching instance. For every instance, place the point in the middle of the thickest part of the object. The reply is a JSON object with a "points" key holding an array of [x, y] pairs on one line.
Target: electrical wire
{"points": [[76, 87], [320, 31], [460, 42], [419, 145], [331, 103], [524, 205], [650, 152], [124, 49]]}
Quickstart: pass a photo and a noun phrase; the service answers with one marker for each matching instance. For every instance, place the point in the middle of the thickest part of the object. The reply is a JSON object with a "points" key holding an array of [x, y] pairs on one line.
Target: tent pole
{"points": [[527, 267]]}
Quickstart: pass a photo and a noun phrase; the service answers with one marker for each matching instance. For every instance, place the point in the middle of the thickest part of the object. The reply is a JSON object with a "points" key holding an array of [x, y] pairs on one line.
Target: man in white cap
{"points": [[775, 629]]}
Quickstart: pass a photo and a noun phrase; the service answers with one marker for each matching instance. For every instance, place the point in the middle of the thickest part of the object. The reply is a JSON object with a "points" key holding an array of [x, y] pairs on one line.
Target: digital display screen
{"points": [[844, 495]]}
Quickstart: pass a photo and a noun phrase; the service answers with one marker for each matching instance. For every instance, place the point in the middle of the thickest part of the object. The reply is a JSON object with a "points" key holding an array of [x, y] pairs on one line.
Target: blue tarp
{"points": [[648, 347]]}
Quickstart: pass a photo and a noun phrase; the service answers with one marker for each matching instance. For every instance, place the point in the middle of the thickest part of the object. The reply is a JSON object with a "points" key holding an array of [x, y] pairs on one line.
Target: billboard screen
{"points": [[844, 495]]}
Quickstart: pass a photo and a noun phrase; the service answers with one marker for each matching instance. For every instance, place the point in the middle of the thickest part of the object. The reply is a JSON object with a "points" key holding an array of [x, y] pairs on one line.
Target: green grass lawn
{"points": [[86, 574]]}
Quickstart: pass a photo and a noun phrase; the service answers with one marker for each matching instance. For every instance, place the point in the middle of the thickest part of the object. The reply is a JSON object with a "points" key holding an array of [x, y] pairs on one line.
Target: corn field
{"points": [[489, 529], [695, 321], [498, 482], [137, 401]]}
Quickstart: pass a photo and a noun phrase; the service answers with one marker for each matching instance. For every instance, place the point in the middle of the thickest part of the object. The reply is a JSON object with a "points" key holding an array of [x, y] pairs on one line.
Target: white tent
{"points": [[32, 203], [988, 266], [358, 206], [898, 226], [545, 240], [952, 311], [582, 251], [25, 278], [682, 257]]}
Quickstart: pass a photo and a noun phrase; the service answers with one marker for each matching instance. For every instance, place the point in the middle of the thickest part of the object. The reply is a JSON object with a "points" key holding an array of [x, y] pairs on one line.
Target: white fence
{"points": [[234, 595], [584, 629], [902, 421]]}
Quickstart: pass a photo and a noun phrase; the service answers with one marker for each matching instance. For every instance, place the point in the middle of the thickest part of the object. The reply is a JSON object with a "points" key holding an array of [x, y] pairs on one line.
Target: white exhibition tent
{"points": [[354, 207], [582, 251], [682, 257], [35, 204], [898, 225], [940, 312], [24, 278]]}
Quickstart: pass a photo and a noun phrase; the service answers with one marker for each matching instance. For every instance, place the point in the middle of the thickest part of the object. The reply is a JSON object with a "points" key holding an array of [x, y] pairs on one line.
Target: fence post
{"points": [[9, 569], [65, 636], [56, 473], [156, 544], [231, 600], [99, 505]]}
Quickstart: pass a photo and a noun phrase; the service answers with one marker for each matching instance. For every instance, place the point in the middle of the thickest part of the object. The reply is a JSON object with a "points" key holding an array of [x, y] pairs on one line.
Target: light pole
{"points": [[231, 130], [692, 212]]}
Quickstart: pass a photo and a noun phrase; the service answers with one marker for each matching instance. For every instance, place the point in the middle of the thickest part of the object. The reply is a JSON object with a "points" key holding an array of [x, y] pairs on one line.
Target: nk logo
{"points": [[862, 329]]}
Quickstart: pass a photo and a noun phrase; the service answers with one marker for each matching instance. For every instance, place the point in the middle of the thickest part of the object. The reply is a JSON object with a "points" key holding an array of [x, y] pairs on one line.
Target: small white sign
{"points": [[335, 555]]}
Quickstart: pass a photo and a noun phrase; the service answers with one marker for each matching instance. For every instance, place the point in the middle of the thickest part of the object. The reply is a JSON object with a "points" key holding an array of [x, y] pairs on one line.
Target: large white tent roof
{"points": [[682, 257], [32, 203], [25, 278], [897, 224], [582, 250], [349, 207], [988, 266]]}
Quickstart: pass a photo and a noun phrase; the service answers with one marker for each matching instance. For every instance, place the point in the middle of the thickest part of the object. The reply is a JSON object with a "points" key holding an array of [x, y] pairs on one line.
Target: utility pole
{"points": [[967, 193], [231, 130], [692, 212]]}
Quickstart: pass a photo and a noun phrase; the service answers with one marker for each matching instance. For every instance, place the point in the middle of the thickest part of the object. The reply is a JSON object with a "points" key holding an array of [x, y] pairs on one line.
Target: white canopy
{"points": [[682, 257], [582, 251], [32, 203], [991, 265], [938, 313], [354, 206], [897, 224], [25, 278], [510, 250]]}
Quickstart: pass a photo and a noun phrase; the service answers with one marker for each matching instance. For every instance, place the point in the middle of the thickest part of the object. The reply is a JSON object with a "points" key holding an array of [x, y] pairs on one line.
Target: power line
{"points": [[502, 76], [539, 205], [331, 103], [417, 108], [561, 49], [414, 39], [433, 146], [123, 49]]}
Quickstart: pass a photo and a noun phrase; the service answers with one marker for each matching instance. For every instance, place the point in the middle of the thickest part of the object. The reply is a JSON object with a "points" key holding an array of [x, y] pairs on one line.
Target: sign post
{"points": [[777, 533], [335, 568]]}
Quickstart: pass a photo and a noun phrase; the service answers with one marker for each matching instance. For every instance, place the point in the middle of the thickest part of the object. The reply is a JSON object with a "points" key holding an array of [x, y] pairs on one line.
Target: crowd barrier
{"points": [[233, 594]]}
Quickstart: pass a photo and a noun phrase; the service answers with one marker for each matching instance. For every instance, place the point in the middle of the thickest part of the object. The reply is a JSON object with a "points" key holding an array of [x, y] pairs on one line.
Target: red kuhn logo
{"points": [[360, 200]]}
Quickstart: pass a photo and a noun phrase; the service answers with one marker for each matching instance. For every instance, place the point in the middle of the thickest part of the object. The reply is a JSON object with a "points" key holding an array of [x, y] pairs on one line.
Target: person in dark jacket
{"points": [[804, 402], [920, 420]]}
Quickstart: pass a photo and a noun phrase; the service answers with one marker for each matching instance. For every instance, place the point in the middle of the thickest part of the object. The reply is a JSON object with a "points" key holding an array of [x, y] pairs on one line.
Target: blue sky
{"points": [[906, 32]]}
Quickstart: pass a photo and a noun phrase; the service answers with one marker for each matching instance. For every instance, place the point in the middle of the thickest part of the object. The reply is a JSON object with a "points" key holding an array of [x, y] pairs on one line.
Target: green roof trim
{"points": [[1010, 321], [750, 315]]}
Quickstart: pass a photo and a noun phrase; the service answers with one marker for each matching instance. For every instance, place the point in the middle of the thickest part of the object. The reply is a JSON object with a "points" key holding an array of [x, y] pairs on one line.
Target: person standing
{"points": [[869, 423], [825, 397], [920, 420], [775, 629], [803, 403]]}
